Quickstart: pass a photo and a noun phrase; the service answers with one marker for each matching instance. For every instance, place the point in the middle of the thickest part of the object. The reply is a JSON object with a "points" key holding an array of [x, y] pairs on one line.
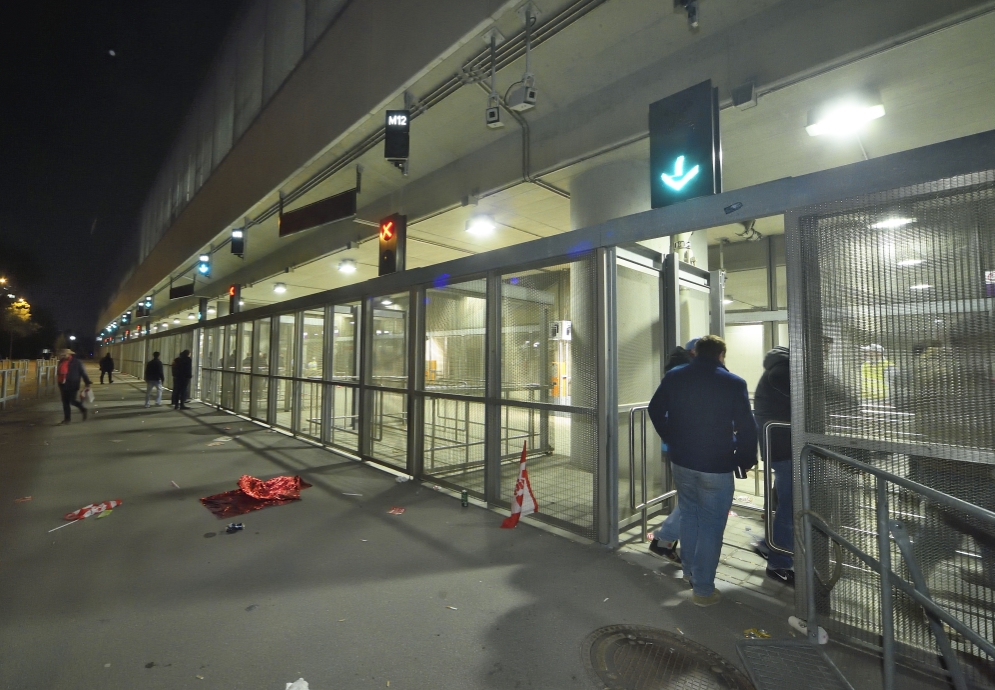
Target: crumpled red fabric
{"points": [[254, 494], [277, 487]]}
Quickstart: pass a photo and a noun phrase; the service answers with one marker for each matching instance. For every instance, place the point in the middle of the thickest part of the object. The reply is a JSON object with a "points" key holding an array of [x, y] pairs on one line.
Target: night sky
{"points": [[84, 131]]}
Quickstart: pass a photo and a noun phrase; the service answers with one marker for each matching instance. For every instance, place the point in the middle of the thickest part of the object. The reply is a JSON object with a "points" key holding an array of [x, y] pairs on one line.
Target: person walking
{"points": [[69, 373], [154, 378], [702, 412], [663, 542], [182, 373], [107, 367], [772, 403]]}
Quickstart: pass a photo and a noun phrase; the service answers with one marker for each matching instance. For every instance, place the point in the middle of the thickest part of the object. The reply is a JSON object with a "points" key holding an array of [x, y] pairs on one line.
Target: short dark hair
{"points": [[155, 355], [710, 346], [184, 353]]}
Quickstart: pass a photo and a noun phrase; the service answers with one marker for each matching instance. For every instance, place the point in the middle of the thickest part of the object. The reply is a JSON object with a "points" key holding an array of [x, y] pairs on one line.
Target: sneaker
{"points": [[782, 575], [711, 600], [668, 552], [184, 407], [760, 550], [146, 405]]}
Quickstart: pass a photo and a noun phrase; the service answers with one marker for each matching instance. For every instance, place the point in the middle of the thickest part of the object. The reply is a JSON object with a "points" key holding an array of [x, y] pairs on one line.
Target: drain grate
{"points": [[627, 657], [790, 665]]}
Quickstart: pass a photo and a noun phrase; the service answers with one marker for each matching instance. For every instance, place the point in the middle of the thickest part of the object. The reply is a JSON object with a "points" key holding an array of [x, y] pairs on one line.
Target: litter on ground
{"points": [[396, 510], [452, 608], [91, 509], [23, 499], [756, 634], [253, 494], [175, 484], [104, 514], [299, 684]]}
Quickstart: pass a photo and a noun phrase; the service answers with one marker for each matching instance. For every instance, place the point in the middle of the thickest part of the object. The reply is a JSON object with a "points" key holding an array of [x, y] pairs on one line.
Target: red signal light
{"points": [[387, 231], [231, 291]]}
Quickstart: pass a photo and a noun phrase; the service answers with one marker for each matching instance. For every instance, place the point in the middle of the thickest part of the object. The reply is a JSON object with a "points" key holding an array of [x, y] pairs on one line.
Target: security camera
{"points": [[492, 116], [523, 98], [691, 7]]}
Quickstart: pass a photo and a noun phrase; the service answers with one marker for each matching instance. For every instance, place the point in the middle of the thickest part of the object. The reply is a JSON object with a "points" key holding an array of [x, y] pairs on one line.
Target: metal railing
{"points": [[45, 374], [888, 529], [645, 503], [10, 385]]}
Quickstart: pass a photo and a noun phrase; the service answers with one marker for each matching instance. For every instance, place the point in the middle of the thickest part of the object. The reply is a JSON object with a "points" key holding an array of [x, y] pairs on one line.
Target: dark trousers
{"points": [[110, 376], [69, 397], [181, 388]]}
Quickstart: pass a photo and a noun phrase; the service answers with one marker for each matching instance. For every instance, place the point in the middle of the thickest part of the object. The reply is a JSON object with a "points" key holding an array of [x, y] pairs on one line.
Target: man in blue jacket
{"points": [[702, 412]]}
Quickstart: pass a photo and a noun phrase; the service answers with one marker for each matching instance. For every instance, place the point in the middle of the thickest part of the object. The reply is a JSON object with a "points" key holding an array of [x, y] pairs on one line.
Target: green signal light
{"points": [[679, 179]]}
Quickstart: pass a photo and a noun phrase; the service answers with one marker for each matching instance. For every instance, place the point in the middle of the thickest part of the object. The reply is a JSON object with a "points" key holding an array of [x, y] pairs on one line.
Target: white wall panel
{"points": [[284, 45]]}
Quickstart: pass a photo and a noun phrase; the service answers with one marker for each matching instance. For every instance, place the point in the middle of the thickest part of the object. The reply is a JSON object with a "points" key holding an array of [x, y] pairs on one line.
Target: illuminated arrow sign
{"points": [[679, 178]]}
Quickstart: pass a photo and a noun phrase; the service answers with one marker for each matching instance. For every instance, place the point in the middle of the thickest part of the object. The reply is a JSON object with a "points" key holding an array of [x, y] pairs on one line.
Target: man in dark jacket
{"points": [[154, 378], [107, 367], [182, 373], [772, 403], [702, 412], [69, 373]]}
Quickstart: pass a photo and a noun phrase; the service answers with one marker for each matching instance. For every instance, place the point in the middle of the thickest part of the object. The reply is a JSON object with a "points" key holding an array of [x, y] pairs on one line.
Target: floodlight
{"points": [[481, 225], [348, 266], [845, 115], [279, 288]]}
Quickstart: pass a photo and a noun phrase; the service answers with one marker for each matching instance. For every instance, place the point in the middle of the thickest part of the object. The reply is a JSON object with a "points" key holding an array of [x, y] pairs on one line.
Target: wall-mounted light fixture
{"points": [[846, 115]]}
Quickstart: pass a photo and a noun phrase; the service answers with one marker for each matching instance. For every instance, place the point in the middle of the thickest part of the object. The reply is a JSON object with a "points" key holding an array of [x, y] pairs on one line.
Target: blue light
{"points": [[679, 178]]}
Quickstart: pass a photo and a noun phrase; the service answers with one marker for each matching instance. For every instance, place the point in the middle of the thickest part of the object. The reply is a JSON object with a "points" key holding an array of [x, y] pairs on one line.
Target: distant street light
{"points": [[72, 337]]}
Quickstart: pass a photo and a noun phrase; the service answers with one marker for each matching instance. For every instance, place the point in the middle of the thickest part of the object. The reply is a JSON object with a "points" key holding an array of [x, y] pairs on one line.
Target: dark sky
{"points": [[83, 133]]}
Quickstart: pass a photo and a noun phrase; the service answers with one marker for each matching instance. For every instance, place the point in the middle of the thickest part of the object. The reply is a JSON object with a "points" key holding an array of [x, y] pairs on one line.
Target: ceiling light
{"points": [[176, 320], [889, 223], [845, 115], [192, 316], [386, 302], [921, 287], [347, 266], [279, 288], [481, 225], [241, 303], [727, 301], [911, 262], [211, 310]]}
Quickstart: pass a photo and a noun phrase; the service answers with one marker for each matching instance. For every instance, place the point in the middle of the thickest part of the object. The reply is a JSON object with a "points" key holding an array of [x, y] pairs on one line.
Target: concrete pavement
{"points": [[331, 588]]}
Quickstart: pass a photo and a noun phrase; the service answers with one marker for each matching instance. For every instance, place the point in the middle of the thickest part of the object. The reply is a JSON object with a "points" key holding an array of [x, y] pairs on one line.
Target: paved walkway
{"points": [[331, 588]]}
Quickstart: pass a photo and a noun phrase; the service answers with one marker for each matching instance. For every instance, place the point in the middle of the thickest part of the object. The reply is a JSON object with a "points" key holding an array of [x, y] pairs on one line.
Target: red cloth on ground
{"points": [[254, 494]]}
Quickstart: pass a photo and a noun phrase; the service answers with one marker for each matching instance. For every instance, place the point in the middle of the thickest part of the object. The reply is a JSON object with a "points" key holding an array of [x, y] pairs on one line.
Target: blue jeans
{"points": [[670, 530], [784, 525], [705, 499]]}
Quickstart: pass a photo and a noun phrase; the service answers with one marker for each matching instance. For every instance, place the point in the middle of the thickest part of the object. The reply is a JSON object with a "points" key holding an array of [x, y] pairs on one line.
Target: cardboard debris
{"points": [[396, 510]]}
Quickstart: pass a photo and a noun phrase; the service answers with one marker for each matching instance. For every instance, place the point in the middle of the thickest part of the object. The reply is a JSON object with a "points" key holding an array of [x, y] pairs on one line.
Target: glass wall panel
{"points": [[228, 390], [245, 347], [390, 341], [309, 423], [284, 391], [389, 428], [746, 290], [745, 355], [261, 359], [454, 443], [563, 446], [260, 391], [313, 344], [344, 428], [231, 346], [549, 335], [211, 386], [242, 384], [285, 360], [455, 346], [211, 349], [345, 343]]}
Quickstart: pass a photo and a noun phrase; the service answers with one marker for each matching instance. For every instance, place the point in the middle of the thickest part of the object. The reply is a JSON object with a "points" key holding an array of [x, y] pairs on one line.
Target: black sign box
{"points": [[685, 147], [396, 143], [181, 291], [320, 212]]}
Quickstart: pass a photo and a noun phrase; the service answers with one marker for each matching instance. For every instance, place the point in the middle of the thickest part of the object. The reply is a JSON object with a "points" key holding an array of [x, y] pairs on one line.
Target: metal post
{"points": [[769, 522], [492, 391], [887, 601], [813, 616]]}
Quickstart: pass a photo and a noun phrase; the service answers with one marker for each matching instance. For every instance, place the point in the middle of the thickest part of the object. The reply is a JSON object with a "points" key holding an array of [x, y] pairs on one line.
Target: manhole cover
{"points": [[626, 657]]}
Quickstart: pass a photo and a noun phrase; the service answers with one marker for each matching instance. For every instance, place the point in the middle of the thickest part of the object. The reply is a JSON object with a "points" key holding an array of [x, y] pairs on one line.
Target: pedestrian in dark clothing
{"points": [[702, 412], [772, 403], [182, 373], [107, 367], [154, 378], [69, 373]]}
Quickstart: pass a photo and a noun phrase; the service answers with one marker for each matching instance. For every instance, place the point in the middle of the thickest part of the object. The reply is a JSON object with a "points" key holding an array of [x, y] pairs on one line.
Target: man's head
{"points": [[155, 355], [691, 345], [185, 353], [65, 353], [711, 347]]}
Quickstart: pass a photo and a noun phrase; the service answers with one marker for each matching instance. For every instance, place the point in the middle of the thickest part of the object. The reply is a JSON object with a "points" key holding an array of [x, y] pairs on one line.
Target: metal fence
{"points": [[10, 385]]}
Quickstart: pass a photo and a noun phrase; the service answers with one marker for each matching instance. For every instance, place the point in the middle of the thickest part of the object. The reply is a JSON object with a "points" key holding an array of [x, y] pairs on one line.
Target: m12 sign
{"points": [[396, 135]]}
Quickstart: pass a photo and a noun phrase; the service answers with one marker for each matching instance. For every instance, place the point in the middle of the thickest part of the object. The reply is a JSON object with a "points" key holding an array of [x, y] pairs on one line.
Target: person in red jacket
{"points": [[69, 374]]}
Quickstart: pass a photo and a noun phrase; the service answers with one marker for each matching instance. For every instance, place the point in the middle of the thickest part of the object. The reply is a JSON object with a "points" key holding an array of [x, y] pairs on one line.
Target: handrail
{"points": [[647, 503], [918, 591], [768, 473]]}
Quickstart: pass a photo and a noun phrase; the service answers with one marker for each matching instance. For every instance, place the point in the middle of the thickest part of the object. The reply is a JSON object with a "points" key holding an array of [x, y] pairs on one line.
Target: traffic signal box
{"points": [[393, 239], [234, 298]]}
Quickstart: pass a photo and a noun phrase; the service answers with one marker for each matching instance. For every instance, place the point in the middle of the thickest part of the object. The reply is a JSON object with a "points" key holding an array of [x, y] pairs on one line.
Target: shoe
{"points": [[760, 550], [158, 404], [64, 422], [184, 407], [670, 553], [687, 580], [146, 405], [711, 600], [85, 414], [784, 576]]}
